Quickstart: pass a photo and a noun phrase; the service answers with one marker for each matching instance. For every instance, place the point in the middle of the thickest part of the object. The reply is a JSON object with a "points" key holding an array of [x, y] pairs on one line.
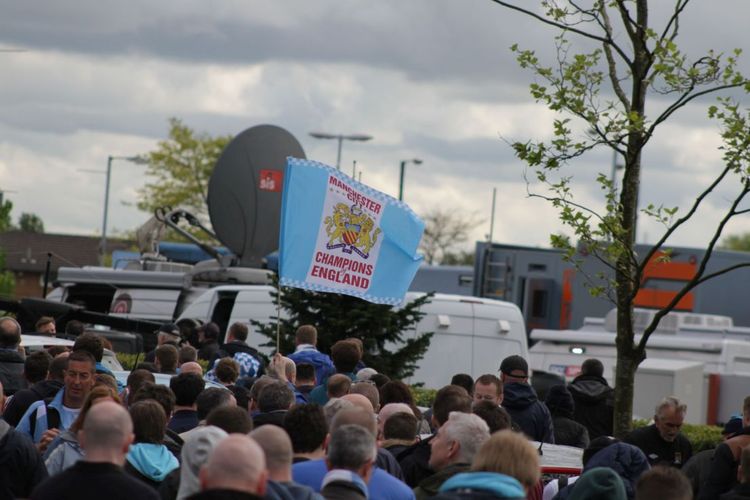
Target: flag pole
{"points": [[278, 316]]}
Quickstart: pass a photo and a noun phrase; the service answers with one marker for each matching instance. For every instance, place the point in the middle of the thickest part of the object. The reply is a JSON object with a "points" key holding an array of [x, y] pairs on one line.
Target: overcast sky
{"points": [[432, 79]]}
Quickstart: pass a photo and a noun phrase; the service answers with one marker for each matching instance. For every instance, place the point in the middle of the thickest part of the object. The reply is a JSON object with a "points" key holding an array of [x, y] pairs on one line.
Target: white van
{"points": [[710, 339], [472, 335]]}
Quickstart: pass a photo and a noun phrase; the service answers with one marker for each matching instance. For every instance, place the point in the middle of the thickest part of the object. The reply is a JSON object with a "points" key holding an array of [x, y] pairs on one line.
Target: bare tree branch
{"points": [[699, 275], [564, 27], [674, 20], [611, 66], [684, 99], [679, 222]]}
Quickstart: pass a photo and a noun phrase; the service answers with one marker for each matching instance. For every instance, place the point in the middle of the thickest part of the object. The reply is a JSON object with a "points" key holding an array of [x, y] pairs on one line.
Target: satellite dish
{"points": [[244, 193]]}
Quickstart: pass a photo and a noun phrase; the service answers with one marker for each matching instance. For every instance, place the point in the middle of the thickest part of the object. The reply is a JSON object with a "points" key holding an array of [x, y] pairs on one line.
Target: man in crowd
{"points": [[46, 326], [106, 437], [345, 356], [307, 428], [306, 351], [11, 361], [165, 358], [277, 448], [594, 399], [662, 442], [44, 387], [250, 361], [305, 379], [186, 388], [235, 469], [22, 467], [274, 401], [488, 388], [350, 459], [664, 483], [168, 333], [43, 421], [723, 473], [208, 337], [415, 461], [530, 414], [452, 450]]}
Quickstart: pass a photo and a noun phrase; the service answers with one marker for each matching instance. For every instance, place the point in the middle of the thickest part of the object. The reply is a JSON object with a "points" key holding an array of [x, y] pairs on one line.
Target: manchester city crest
{"points": [[351, 229]]}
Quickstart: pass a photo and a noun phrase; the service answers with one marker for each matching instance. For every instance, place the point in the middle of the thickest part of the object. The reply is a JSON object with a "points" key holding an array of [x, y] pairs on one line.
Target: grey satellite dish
{"points": [[244, 193]]}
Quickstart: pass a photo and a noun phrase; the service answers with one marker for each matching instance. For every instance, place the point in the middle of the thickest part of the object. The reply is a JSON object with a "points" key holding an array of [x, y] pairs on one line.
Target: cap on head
{"points": [[170, 329], [515, 366]]}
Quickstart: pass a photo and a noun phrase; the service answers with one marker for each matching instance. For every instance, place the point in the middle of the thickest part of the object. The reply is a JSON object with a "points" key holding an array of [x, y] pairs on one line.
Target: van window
{"points": [[539, 304], [223, 310]]}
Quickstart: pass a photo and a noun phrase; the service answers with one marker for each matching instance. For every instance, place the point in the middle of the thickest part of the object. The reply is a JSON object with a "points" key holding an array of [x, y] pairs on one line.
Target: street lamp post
{"points": [[341, 138], [415, 161], [134, 159]]}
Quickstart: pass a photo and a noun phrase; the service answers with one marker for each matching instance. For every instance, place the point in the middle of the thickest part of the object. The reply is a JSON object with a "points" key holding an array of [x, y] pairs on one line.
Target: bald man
{"points": [[235, 469], [384, 482], [277, 448], [191, 367], [106, 436], [360, 401]]}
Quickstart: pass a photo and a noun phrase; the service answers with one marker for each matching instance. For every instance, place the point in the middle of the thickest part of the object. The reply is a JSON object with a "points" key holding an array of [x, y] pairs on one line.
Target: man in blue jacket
{"points": [[527, 412], [306, 340], [44, 420]]}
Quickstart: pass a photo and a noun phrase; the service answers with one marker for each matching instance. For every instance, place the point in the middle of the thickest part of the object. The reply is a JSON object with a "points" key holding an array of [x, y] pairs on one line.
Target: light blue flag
{"points": [[338, 235]]}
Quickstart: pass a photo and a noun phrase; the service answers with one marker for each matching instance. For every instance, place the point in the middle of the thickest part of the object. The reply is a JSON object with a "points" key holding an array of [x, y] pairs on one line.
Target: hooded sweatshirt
{"points": [[528, 412], [151, 461], [626, 460], [481, 485], [594, 404]]}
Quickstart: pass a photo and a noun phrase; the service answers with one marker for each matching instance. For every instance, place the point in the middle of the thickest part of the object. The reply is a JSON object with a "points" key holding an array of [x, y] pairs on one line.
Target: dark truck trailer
{"points": [[553, 294]]}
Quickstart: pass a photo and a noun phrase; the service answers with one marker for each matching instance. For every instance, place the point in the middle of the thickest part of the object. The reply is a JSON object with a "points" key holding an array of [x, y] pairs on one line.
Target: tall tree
{"points": [[181, 167], [382, 329], [445, 230], [30, 222], [601, 88], [6, 207]]}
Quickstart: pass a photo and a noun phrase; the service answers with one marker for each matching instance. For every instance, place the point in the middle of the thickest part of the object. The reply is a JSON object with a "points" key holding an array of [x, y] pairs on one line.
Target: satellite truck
{"points": [[472, 335]]}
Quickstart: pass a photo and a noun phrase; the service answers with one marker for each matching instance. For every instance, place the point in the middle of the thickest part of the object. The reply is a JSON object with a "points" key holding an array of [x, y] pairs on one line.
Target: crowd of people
{"points": [[313, 425]]}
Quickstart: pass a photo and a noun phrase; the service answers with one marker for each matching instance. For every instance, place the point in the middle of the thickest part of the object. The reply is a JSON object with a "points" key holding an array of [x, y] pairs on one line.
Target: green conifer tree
{"points": [[391, 345]]}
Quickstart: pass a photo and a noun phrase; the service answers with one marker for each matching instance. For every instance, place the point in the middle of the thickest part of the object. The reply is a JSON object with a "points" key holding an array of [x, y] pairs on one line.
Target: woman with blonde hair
{"points": [[65, 450], [506, 466]]}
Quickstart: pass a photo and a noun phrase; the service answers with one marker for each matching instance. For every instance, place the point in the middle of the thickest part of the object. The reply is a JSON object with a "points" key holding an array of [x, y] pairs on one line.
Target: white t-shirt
{"points": [[68, 416]]}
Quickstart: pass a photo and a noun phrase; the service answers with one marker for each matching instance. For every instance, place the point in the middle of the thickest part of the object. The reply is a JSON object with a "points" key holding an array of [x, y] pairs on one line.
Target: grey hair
{"points": [[350, 447], [670, 402], [333, 406], [469, 430], [290, 369]]}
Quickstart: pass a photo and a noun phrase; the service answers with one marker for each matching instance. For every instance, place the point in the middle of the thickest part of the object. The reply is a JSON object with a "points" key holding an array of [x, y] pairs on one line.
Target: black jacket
{"points": [[223, 495], [569, 432], [21, 400], [11, 371], [208, 350], [594, 404], [739, 492], [530, 414], [659, 451], [415, 462], [21, 466], [723, 474], [89, 480]]}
